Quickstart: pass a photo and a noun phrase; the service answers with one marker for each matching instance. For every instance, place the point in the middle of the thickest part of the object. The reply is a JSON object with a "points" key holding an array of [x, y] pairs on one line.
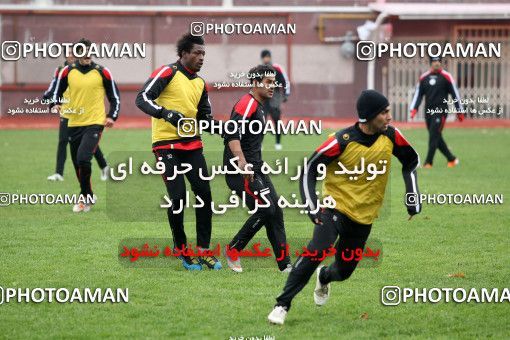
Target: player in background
{"points": [[272, 106], [86, 84], [63, 138], [174, 92], [247, 146], [357, 199], [436, 84]]}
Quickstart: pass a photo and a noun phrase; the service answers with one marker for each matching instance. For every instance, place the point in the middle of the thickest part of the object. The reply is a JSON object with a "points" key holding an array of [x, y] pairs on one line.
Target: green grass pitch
{"points": [[49, 246]]}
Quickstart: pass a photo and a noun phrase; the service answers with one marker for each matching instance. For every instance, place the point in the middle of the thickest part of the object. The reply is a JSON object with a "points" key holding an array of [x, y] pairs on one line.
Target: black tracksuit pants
{"points": [[270, 217], [176, 188], [435, 124], [84, 141], [352, 236], [63, 140]]}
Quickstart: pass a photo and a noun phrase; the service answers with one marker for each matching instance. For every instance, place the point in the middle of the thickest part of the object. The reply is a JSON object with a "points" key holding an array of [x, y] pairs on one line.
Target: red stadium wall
{"points": [[323, 83]]}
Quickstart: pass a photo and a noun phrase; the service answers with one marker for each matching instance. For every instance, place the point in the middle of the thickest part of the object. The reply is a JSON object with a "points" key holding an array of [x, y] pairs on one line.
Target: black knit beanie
{"points": [[370, 104], [265, 53], [435, 58]]}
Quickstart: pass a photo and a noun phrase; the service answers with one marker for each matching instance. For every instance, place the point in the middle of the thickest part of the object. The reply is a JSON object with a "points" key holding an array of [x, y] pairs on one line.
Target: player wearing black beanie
{"points": [[357, 194]]}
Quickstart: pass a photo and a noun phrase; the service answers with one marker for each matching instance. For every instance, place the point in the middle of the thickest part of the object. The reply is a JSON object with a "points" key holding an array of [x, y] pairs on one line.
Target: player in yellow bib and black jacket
{"points": [[358, 199], [174, 92], [86, 84], [63, 138]]}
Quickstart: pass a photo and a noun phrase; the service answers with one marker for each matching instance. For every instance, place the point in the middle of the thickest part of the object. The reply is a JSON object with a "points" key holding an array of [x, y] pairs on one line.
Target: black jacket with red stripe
{"points": [[245, 112], [282, 79], [49, 92], [436, 86]]}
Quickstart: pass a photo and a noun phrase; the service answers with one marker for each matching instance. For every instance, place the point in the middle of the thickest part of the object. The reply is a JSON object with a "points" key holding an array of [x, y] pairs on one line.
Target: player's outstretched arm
{"points": [[113, 95], [51, 88], [417, 98], [410, 162], [204, 112], [454, 92], [145, 100], [60, 88], [325, 154]]}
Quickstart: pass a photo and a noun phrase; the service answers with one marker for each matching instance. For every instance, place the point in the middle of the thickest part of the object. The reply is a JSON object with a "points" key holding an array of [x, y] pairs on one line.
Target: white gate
{"points": [[483, 82]]}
